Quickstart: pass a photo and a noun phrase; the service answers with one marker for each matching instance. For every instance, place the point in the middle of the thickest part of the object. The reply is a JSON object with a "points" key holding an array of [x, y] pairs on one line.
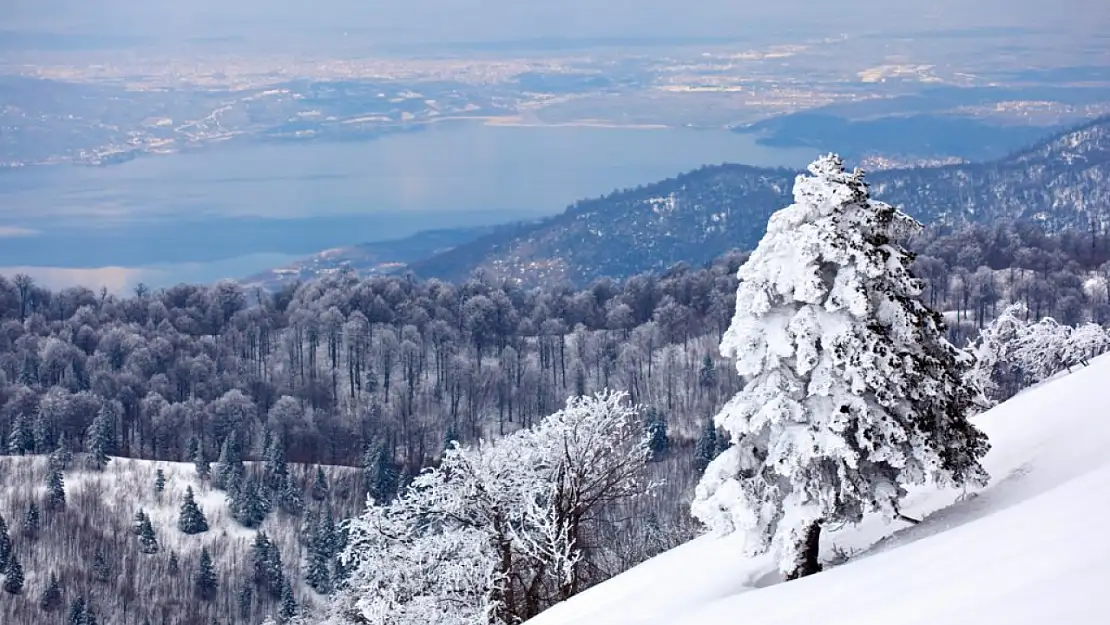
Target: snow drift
{"points": [[1027, 549]]}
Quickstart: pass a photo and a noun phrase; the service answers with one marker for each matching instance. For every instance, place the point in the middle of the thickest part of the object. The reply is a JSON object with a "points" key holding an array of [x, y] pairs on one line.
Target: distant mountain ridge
{"points": [[1062, 182]]}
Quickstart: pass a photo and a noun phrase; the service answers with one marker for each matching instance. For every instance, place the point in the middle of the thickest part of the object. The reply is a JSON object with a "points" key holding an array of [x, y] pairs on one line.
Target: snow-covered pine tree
{"points": [[51, 598], [21, 439], [320, 490], [705, 449], [656, 425], [246, 504], [288, 607], [229, 468], [173, 567], [148, 542], [31, 521], [62, 455], [289, 498], [99, 439], [55, 489], [76, 612], [100, 569], [191, 520], [159, 482], [851, 390], [5, 544], [200, 461], [245, 601], [205, 582], [380, 473], [13, 576], [266, 557], [275, 467]]}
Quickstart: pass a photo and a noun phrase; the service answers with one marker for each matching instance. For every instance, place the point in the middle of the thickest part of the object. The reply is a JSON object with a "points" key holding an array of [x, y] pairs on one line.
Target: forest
{"points": [[382, 374]]}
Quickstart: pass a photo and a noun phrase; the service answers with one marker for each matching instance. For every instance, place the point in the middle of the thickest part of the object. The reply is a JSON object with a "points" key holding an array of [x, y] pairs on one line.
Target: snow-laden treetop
{"points": [[850, 389]]}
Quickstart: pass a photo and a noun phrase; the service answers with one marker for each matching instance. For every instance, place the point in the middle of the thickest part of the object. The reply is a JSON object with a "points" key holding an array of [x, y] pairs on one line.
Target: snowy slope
{"points": [[1027, 549]]}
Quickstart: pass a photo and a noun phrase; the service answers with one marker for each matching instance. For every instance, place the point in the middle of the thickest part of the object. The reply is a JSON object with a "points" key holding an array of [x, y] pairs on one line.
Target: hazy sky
{"points": [[440, 21]]}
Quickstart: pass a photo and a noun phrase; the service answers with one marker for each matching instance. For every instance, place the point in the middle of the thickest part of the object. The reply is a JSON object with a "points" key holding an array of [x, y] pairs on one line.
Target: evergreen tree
{"points": [[174, 567], [99, 439], [266, 558], [55, 490], [43, 433], [658, 441], [51, 598], [380, 474], [21, 439], [200, 461], [245, 601], [707, 377], [159, 482], [850, 389], [705, 449], [5, 544], [318, 572], [320, 489], [148, 543], [288, 604], [62, 455], [76, 612], [229, 469], [100, 569], [137, 522], [191, 520], [275, 468], [289, 497], [13, 576], [31, 521], [247, 506], [205, 580]]}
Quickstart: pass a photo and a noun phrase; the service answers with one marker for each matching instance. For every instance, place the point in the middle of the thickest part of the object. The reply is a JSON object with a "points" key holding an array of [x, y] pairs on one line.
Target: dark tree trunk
{"points": [[807, 563]]}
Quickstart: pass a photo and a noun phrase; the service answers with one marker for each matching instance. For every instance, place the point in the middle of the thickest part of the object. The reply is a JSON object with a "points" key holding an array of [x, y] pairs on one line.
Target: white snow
{"points": [[1028, 549]]}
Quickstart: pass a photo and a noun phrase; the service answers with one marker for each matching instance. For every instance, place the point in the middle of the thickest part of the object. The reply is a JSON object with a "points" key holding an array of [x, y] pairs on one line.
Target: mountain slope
{"points": [[1027, 549], [1063, 182]]}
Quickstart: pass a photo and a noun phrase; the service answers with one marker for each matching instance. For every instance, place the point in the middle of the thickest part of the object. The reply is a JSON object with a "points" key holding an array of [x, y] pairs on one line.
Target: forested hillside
{"points": [[1062, 183], [379, 374]]}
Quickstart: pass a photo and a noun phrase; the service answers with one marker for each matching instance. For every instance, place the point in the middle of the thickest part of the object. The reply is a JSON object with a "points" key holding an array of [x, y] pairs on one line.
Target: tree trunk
{"points": [[808, 552]]}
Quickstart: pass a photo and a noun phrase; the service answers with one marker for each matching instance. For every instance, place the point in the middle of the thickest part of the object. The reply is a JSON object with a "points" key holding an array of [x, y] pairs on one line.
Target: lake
{"points": [[230, 210]]}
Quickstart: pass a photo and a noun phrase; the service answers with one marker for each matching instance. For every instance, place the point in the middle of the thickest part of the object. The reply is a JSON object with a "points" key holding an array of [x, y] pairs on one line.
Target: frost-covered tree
{"points": [[851, 391], [191, 520], [995, 371], [1084, 343], [1041, 348], [496, 532], [159, 482], [100, 569]]}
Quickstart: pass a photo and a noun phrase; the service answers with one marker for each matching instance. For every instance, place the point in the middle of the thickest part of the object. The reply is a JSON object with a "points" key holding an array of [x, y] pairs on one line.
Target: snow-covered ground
{"points": [[1029, 549]]}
